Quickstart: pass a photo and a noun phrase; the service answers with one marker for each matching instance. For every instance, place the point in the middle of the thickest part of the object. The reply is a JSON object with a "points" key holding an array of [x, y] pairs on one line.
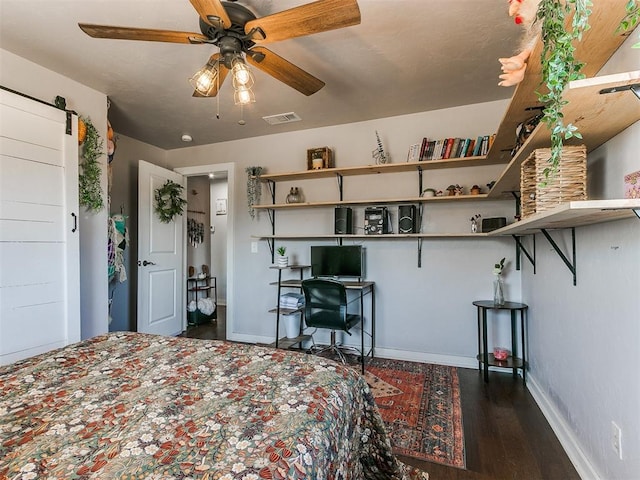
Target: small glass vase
{"points": [[498, 291]]}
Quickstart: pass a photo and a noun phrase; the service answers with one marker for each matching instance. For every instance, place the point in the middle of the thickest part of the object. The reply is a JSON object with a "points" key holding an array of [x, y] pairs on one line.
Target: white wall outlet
{"points": [[616, 439], [254, 247]]}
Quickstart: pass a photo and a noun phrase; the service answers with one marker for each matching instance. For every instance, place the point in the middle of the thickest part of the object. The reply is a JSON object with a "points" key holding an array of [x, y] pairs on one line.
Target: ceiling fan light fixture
{"points": [[243, 96], [242, 77], [205, 78]]}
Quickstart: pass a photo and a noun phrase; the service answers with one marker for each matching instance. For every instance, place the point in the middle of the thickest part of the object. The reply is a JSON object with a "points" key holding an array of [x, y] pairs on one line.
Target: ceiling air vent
{"points": [[282, 118]]}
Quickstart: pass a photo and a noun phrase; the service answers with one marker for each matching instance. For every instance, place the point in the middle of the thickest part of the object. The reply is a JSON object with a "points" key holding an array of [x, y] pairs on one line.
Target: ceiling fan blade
{"points": [[211, 8], [222, 74], [314, 17], [283, 70], [148, 34]]}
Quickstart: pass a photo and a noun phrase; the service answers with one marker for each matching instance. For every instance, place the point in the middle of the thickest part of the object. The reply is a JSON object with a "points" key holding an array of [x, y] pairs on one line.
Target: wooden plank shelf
{"points": [[594, 50], [573, 214], [387, 236], [586, 109], [383, 168], [377, 201]]}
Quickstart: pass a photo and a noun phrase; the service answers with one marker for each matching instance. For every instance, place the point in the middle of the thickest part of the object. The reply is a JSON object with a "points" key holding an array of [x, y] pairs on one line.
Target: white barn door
{"points": [[39, 245]]}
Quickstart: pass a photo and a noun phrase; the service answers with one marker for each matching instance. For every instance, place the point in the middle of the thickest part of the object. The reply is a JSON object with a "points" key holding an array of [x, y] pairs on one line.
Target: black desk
{"points": [[484, 357], [364, 288]]}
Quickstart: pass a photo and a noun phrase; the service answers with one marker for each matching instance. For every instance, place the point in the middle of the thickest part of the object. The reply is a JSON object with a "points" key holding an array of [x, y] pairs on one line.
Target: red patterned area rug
{"points": [[420, 405]]}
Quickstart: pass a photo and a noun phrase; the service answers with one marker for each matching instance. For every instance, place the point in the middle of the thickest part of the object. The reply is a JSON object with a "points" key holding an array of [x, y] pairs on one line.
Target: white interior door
{"points": [[161, 298], [39, 245]]}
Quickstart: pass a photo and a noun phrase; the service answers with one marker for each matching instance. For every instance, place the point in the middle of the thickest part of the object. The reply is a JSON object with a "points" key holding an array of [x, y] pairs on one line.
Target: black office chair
{"points": [[326, 307]]}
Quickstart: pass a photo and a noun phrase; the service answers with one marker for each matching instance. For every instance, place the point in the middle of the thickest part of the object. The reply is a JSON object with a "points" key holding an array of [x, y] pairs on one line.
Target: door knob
{"points": [[145, 263]]}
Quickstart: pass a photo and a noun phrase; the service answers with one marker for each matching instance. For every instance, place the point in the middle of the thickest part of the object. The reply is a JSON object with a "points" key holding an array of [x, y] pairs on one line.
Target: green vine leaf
{"points": [[90, 192], [559, 67], [169, 201]]}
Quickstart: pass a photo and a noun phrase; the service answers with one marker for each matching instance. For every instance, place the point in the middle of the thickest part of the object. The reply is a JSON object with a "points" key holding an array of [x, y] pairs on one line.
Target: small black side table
{"points": [[484, 357]]}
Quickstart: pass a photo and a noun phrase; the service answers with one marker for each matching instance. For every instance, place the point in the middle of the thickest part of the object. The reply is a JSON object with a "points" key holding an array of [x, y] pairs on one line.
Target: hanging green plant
{"points": [[169, 201], [559, 67], [254, 190], [90, 192], [631, 19]]}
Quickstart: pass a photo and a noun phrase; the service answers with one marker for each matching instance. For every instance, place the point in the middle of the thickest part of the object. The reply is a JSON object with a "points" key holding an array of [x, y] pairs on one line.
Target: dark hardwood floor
{"points": [[506, 435]]}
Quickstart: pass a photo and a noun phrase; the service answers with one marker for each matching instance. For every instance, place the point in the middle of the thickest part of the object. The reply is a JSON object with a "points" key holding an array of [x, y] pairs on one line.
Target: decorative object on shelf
{"points": [[295, 195], [319, 158], [474, 223], [524, 14], [491, 184], [169, 201], [428, 192], [500, 353], [498, 286], [475, 190], [524, 130], [89, 177], [379, 155], [632, 185], [283, 260], [455, 190], [559, 67], [254, 189], [539, 193]]}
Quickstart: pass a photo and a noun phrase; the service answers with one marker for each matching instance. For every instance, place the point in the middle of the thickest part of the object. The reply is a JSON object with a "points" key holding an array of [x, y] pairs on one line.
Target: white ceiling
{"points": [[406, 56]]}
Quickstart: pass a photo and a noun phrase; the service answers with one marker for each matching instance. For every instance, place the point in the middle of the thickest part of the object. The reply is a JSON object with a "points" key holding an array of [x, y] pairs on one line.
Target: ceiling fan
{"points": [[238, 34]]}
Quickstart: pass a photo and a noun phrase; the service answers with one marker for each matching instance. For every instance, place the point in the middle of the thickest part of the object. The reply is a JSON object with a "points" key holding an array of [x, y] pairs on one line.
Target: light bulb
{"points": [[205, 78], [243, 96]]}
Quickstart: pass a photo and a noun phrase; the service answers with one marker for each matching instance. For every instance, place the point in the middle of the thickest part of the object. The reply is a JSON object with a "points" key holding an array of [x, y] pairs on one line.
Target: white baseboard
{"points": [[565, 435]]}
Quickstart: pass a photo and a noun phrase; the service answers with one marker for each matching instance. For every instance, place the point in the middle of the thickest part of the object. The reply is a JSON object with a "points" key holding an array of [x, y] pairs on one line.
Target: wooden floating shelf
{"points": [[388, 236], [379, 201], [383, 168], [598, 117], [573, 214]]}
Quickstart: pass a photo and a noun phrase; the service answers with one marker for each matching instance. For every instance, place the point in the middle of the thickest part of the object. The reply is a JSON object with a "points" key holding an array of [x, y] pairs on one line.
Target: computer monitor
{"points": [[337, 261]]}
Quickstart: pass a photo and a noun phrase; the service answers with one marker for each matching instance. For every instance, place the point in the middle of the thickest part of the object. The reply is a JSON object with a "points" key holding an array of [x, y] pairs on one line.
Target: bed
{"points": [[136, 406]]}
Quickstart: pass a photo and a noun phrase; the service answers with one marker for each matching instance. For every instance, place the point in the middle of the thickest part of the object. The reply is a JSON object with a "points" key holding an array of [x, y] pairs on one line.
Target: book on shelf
{"points": [[453, 147], [414, 153]]}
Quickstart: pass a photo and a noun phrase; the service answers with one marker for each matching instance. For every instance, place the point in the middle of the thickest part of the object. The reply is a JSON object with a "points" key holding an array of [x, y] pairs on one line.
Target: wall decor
{"points": [[632, 185], [319, 158], [221, 206], [90, 192], [169, 201], [254, 188]]}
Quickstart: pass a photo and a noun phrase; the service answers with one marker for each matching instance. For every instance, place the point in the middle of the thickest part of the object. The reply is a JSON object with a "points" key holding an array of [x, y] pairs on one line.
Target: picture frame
{"points": [[221, 206], [319, 158]]}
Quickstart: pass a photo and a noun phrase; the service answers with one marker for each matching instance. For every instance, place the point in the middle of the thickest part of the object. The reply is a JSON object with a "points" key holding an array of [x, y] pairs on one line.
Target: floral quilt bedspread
{"points": [[135, 406]]}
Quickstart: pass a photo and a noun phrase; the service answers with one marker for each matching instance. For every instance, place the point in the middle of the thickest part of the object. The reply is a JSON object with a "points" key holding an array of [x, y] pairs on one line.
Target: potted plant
{"points": [[283, 260]]}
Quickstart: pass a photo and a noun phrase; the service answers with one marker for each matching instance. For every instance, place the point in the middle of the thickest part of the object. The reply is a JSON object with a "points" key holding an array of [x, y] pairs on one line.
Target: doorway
{"points": [[209, 195]]}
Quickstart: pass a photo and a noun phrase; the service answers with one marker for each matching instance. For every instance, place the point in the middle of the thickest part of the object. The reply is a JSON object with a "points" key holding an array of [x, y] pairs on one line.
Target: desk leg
{"points": [[362, 329], [524, 355], [373, 321], [485, 353], [513, 342]]}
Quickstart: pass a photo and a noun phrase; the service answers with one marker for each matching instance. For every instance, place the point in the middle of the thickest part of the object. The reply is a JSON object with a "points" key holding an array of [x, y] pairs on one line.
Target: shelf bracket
{"points": [[272, 219], [571, 266], [340, 182], [419, 227], [419, 252], [419, 181], [517, 198], [521, 248], [636, 211]]}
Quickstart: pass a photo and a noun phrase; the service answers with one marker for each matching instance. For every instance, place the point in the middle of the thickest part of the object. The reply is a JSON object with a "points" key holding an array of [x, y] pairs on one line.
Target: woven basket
{"points": [[538, 193]]}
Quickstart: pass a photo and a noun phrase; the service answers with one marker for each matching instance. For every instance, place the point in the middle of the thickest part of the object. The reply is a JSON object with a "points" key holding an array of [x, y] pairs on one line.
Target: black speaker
{"points": [[407, 219], [343, 220], [491, 224]]}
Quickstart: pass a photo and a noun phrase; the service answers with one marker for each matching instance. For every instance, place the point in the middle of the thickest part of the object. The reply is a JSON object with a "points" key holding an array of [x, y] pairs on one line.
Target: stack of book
{"points": [[291, 300], [453, 147]]}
